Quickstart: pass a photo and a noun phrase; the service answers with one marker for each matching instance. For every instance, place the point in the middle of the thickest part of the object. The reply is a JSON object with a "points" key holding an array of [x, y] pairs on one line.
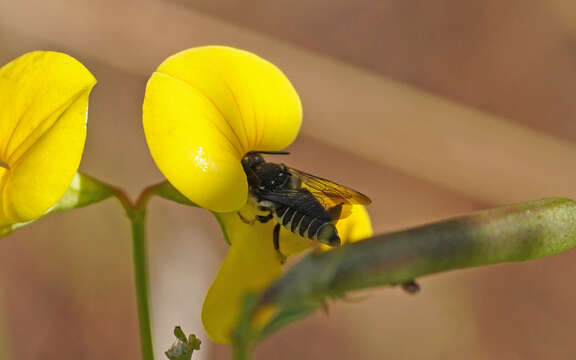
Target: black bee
{"points": [[304, 204]]}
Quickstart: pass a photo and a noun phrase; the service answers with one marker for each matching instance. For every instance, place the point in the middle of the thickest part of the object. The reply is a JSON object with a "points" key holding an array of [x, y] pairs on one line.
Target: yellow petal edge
{"points": [[205, 108], [43, 112]]}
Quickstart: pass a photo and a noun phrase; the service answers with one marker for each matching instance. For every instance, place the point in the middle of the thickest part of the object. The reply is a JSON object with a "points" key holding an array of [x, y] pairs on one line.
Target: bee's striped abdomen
{"points": [[307, 226]]}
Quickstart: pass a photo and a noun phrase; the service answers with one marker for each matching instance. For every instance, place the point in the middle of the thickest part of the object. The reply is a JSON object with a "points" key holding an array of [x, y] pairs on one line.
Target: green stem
{"points": [[95, 190], [241, 352], [136, 212], [140, 261]]}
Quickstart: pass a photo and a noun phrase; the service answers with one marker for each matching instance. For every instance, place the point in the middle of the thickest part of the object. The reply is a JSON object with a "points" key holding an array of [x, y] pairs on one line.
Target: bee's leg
{"points": [[244, 220], [411, 287], [276, 239], [335, 211], [264, 218]]}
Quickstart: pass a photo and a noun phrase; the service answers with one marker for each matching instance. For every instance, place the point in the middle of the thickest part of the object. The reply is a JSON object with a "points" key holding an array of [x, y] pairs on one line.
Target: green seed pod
{"points": [[506, 234], [512, 233]]}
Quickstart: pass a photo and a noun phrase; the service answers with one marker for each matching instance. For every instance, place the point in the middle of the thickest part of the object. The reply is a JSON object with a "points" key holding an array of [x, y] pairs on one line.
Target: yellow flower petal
{"points": [[252, 264], [205, 108], [43, 105], [3, 171]]}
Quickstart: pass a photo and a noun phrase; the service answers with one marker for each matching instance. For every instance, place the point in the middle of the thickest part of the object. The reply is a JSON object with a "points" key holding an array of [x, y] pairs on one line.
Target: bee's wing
{"points": [[325, 189], [300, 200]]}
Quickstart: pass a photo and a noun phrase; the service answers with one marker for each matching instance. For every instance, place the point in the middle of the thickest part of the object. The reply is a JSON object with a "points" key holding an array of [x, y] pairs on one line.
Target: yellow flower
{"points": [[204, 109], [43, 109]]}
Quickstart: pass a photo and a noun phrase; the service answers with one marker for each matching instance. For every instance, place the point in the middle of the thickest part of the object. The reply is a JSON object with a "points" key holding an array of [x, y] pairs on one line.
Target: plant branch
{"points": [[512, 233]]}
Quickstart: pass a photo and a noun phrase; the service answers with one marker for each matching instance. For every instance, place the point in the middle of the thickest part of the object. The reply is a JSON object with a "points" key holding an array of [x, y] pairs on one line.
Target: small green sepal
{"points": [[83, 191], [183, 348], [167, 191]]}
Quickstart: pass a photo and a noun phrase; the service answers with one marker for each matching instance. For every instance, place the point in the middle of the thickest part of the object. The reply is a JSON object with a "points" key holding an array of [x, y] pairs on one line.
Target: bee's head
{"points": [[251, 160], [263, 175]]}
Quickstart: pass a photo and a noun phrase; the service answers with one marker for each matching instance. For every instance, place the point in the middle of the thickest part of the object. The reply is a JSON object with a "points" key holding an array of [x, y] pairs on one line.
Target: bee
{"points": [[304, 204]]}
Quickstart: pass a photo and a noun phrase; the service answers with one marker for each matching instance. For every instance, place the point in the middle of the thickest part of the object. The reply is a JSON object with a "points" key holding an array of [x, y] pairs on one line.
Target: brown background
{"points": [[432, 108]]}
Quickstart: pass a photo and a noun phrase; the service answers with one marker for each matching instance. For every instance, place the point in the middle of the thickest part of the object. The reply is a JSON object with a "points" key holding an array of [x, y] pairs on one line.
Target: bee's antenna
{"points": [[273, 152]]}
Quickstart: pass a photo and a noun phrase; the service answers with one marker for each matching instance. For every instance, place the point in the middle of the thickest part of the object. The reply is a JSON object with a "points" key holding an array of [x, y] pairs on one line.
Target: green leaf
{"points": [[512, 233], [83, 191], [183, 348]]}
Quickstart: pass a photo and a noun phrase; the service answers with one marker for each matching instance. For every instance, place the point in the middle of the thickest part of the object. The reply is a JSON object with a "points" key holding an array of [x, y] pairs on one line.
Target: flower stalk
{"points": [[140, 260], [136, 212]]}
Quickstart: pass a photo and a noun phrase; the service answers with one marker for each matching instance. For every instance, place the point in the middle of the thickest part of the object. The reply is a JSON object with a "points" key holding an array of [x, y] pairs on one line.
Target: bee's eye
{"points": [[261, 187], [281, 174]]}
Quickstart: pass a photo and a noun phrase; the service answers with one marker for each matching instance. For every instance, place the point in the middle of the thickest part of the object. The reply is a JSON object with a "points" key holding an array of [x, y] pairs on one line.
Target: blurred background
{"points": [[433, 108]]}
